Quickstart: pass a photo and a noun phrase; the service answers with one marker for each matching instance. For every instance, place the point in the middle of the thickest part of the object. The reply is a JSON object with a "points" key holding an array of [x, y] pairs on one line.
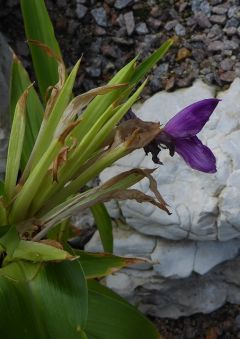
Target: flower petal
{"points": [[191, 119], [196, 155]]}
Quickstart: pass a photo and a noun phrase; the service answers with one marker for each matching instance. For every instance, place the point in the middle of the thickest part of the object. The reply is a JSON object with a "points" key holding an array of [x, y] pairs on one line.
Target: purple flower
{"points": [[179, 135]]}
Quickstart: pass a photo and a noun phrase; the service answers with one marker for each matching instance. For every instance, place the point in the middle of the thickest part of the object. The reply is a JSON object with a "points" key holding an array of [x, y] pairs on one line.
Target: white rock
{"points": [[126, 242], [194, 266], [204, 206]]}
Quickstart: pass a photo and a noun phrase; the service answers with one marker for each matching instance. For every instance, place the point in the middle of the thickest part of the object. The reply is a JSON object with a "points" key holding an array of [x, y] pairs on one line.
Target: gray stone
{"points": [[227, 64], [62, 3], [215, 46], [120, 4], [141, 28], [228, 76], [170, 25], [230, 44], [81, 11], [233, 22], [129, 22], [219, 9], [201, 5], [202, 20], [100, 16], [230, 30], [218, 19], [180, 30], [234, 12]]}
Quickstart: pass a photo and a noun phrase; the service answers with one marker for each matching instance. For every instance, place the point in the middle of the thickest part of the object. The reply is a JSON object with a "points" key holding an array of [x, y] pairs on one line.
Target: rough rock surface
{"points": [[203, 206], [189, 248]]}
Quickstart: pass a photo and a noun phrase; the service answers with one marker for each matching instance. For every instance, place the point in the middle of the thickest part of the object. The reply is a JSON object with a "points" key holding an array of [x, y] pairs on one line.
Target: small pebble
{"points": [[81, 11], [218, 19], [180, 30], [216, 46], [120, 4], [99, 15], [228, 76], [129, 22], [141, 28], [202, 20]]}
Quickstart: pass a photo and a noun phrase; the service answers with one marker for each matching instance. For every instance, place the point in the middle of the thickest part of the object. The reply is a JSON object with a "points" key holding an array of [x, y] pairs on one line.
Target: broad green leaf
{"points": [[19, 82], [39, 252], [38, 26], [104, 225], [109, 316], [43, 301], [96, 265]]}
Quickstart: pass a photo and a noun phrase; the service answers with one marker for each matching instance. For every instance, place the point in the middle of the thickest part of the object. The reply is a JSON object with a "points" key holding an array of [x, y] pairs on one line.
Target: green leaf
{"points": [[96, 265], [39, 252], [10, 241], [19, 82], [62, 232], [38, 26], [147, 65], [104, 225], [1, 188], [109, 316], [43, 301], [50, 123], [15, 145]]}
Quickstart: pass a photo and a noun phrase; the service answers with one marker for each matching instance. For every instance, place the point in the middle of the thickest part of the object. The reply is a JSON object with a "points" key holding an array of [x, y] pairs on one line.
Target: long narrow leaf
{"points": [[16, 144], [104, 225], [38, 26], [19, 82], [96, 265]]}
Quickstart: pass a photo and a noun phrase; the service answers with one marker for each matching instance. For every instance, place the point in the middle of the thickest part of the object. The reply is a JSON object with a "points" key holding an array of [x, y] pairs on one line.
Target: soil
{"points": [[109, 34]]}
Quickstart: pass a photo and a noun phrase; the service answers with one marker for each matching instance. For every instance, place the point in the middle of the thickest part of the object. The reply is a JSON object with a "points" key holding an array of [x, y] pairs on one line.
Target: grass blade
{"points": [[19, 82], [104, 226], [40, 28], [15, 145]]}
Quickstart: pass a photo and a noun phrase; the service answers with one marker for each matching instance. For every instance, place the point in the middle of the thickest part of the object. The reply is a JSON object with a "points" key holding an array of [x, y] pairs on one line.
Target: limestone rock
{"points": [[204, 206]]}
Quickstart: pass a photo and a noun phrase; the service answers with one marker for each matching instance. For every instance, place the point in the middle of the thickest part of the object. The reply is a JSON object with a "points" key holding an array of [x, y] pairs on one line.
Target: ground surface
{"points": [[109, 33]]}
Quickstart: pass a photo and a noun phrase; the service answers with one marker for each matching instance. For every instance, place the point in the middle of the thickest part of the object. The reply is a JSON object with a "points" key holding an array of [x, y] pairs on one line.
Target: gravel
{"points": [[207, 33]]}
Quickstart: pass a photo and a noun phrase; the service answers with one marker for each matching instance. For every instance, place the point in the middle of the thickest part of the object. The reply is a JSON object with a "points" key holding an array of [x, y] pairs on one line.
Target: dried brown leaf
{"points": [[52, 243], [55, 90], [133, 194], [76, 106], [60, 159], [135, 133]]}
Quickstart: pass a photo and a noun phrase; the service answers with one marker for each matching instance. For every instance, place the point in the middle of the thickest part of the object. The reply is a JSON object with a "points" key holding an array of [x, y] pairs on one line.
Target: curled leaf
{"points": [[140, 197], [113, 188], [135, 133], [55, 90], [60, 159], [76, 106]]}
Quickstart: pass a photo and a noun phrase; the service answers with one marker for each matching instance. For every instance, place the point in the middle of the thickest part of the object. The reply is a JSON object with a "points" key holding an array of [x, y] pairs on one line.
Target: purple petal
{"points": [[196, 155], [191, 119]]}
